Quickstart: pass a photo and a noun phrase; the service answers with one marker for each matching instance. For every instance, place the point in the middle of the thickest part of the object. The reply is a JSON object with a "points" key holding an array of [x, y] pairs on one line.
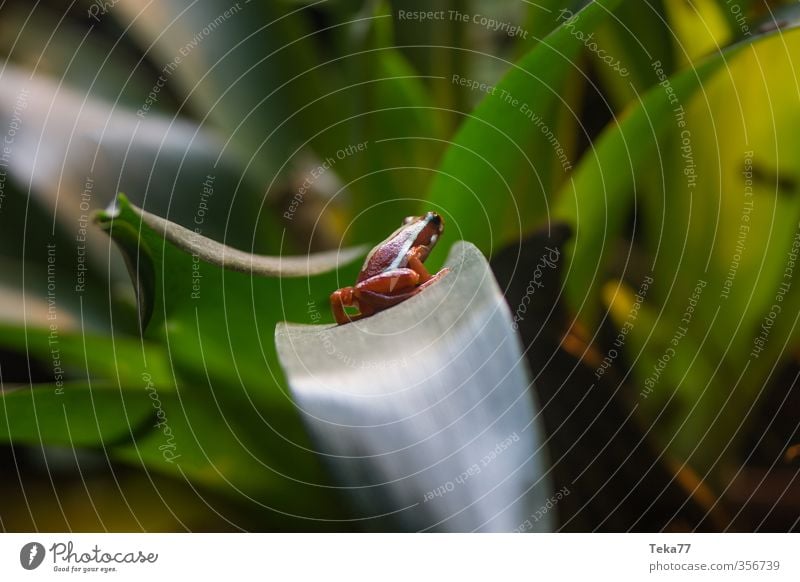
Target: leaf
{"points": [[73, 415], [229, 416], [424, 412], [754, 216], [71, 151], [739, 237], [739, 14], [68, 151], [83, 355], [226, 257], [690, 212], [494, 182], [674, 374], [700, 28], [220, 442], [355, 107], [220, 56], [70, 50], [241, 457], [434, 48], [141, 235], [395, 117], [600, 194], [638, 36], [28, 240], [603, 454], [540, 20], [751, 163]]}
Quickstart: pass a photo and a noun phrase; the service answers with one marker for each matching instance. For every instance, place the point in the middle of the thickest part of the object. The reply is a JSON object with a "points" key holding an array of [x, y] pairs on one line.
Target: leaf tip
{"points": [[104, 218]]}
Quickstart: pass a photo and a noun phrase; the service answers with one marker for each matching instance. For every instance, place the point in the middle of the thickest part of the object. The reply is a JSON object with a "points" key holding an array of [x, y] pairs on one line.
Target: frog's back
{"points": [[390, 254], [393, 252]]}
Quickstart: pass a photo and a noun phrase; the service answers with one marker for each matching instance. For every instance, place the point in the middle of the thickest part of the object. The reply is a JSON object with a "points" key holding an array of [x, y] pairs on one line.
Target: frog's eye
{"points": [[409, 219]]}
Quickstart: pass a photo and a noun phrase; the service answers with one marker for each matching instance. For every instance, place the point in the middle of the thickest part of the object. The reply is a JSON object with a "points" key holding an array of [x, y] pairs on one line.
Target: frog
{"points": [[393, 271]]}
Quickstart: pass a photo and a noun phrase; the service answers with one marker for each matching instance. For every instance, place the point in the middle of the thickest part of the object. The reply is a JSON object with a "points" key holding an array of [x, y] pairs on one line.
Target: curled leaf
{"points": [[164, 274], [232, 259], [424, 411]]}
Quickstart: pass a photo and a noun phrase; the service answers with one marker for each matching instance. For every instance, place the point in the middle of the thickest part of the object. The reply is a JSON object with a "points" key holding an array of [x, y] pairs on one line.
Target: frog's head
{"points": [[431, 227]]}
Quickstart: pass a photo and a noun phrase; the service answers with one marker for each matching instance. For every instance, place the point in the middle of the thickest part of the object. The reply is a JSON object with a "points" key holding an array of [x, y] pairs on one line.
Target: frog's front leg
{"points": [[415, 258]]}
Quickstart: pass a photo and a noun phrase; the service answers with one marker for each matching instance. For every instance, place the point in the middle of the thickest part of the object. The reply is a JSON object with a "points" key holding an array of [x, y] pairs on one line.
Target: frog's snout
{"points": [[437, 221]]}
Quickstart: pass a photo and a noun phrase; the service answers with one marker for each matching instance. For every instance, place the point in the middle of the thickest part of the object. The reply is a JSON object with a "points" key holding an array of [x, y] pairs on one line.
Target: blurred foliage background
{"points": [[291, 126]]}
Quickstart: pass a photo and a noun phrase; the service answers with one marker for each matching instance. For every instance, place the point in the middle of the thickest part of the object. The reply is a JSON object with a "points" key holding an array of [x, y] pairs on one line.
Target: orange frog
{"points": [[393, 270]]}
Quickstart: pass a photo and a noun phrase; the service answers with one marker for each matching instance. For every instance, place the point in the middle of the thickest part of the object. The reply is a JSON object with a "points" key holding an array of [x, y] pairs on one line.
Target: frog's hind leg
{"points": [[433, 278], [345, 297], [376, 301], [389, 282]]}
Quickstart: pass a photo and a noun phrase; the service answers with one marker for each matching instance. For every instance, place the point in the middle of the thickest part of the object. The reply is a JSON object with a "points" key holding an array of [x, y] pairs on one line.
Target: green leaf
{"points": [[739, 236], [141, 236], [714, 176], [217, 440], [73, 415], [638, 37], [600, 195], [50, 274], [739, 14], [246, 67], [435, 48], [495, 180], [232, 422], [597, 199], [394, 115], [699, 28], [678, 380], [540, 20], [84, 356], [223, 256]]}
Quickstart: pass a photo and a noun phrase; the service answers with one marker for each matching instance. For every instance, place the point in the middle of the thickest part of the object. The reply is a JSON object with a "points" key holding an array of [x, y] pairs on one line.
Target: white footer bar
{"points": [[401, 557]]}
